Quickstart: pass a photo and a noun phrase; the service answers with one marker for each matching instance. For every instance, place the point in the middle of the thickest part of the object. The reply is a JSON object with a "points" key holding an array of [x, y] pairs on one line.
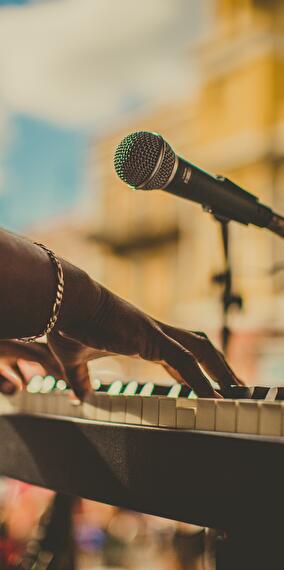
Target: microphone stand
{"points": [[53, 546], [228, 298]]}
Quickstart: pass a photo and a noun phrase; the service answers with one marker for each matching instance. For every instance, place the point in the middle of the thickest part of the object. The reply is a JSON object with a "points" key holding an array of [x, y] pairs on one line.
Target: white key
{"points": [[14, 402], [41, 403], [192, 396], [247, 417], [186, 418], [24, 402], [118, 409], [32, 403], [282, 423], [150, 410], [17, 399], [48, 385], [61, 386], [35, 402], [115, 388], [35, 384], [131, 388], [133, 410], [205, 414], [226, 416], [48, 404], [270, 419], [271, 394], [8, 405], [103, 407], [89, 406], [77, 409], [20, 400], [167, 412], [147, 389], [186, 403], [174, 391], [186, 413], [64, 406], [95, 406]]}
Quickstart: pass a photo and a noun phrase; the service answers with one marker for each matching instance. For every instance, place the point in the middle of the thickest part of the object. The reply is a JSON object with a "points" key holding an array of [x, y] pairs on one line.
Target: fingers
{"points": [[7, 387], [19, 373], [40, 353], [239, 381], [183, 366], [75, 369], [79, 379], [172, 372], [211, 360], [14, 351]]}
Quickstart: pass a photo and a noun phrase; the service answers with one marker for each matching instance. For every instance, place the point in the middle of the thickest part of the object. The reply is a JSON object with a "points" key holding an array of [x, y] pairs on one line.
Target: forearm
{"points": [[28, 289]]}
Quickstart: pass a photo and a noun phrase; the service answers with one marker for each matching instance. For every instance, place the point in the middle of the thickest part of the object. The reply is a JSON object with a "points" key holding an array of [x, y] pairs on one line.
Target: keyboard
{"points": [[152, 449], [244, 410]]}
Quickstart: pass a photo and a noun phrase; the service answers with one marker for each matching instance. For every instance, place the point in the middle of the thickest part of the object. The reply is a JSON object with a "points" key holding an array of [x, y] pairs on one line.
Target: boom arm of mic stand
{"points": [[277, 225]]}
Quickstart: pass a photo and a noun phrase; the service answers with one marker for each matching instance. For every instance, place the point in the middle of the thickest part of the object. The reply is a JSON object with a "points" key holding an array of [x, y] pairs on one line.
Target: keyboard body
{"points": [[221, 480]]}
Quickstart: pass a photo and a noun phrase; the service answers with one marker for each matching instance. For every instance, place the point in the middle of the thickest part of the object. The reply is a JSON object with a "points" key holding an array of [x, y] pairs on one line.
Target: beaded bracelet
{"points": [[58, 300]]}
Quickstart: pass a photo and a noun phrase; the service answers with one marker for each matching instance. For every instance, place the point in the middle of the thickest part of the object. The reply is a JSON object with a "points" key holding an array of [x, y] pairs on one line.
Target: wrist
{"points": [[80, 299]]}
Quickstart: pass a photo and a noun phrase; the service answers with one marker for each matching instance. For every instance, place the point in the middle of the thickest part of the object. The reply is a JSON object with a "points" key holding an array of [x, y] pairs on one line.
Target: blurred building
{"points": [[161, 252]]}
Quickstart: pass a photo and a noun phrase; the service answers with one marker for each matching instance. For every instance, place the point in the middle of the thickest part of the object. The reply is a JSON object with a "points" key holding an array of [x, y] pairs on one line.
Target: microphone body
{"points": [[218, 195], [145, 161]]}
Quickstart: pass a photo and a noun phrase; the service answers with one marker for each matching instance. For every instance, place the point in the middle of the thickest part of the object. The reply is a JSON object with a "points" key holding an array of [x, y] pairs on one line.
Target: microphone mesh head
{"points": [[137, 156]]}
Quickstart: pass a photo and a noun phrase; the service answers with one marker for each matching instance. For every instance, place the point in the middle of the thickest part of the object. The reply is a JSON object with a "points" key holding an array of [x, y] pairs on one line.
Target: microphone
{"points": [[145, 161]]}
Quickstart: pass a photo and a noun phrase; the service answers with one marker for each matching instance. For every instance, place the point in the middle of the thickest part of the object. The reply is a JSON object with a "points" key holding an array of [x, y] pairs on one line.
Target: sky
{"points": [[42, 168], [12, 2], [43, 172], [69, 70]]}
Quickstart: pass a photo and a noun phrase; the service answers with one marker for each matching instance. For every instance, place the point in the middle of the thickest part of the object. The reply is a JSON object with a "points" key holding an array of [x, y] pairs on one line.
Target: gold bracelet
{"points": [[58, 300]]}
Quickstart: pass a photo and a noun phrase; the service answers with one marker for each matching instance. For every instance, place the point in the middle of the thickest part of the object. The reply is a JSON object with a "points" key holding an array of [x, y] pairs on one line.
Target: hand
{"points": [[117, 327], [92, 322], [19, 362]]}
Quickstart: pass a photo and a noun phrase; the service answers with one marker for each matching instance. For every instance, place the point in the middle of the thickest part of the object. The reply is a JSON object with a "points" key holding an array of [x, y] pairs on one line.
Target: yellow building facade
{"points": [[233, 124], [160, 252]]}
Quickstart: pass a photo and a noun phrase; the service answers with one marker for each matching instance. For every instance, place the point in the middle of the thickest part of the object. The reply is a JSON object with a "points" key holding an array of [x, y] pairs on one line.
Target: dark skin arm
{"points": [[93, 322]]}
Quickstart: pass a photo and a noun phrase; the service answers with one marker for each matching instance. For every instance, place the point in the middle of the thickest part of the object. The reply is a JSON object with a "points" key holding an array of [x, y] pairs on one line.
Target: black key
{"points": [[237, 392]]}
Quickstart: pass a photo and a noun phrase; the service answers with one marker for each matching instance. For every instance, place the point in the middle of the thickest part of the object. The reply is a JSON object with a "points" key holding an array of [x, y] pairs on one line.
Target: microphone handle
{"points": [[218, 195]]}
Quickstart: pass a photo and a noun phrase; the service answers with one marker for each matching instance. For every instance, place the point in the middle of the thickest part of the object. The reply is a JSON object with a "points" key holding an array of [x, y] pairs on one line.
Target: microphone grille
{"points": [[144, 159]]}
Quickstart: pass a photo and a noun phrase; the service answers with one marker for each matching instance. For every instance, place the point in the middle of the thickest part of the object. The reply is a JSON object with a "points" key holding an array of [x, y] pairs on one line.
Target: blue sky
{"points": [[11, 2], [44, 171]]}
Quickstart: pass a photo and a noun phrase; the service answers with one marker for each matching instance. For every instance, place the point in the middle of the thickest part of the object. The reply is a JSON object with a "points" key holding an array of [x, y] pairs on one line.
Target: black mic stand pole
{"points": [[228, 298], [52, 545]]}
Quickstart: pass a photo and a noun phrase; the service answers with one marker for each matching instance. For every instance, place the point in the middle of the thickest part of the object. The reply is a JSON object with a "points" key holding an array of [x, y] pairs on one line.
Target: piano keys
{"points": [[164, 407], [172, 465]]}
